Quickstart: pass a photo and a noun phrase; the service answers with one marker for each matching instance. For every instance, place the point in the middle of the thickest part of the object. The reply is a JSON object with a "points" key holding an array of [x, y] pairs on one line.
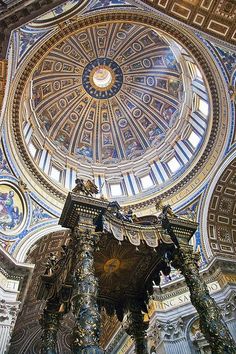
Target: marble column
{"points": [[85, 308], [169, 337], [8, 315]]}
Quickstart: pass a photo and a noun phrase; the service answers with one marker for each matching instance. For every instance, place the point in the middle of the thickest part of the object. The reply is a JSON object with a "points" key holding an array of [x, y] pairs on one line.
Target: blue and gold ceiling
{"points": [[130, 116], [115, 100]]}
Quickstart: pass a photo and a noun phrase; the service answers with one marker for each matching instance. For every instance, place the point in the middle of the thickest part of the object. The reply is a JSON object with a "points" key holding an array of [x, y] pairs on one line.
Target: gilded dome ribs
{"points": [[49, 100], [134, 83], [95, 46], [111, 34], [150, 54], [118, 145], [119, 46], [149, 111], [97, 131], [77, 135], [133, 126], [65, 59], [57, 126]]}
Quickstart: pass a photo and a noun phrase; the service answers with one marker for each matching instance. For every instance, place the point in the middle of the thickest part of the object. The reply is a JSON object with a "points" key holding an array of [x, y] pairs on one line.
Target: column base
{"points": [[88, 350]]}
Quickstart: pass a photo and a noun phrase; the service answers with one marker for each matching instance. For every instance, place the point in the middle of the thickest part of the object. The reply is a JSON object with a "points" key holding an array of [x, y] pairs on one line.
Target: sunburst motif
{"points": [[113, 263]]}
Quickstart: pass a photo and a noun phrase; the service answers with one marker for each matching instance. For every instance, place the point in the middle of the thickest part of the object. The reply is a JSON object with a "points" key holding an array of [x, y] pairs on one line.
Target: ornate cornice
{"points": [[219, 270]]}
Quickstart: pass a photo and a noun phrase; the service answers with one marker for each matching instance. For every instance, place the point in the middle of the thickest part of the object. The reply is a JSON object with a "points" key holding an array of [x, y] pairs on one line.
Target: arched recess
{"points": [[218, 216]]}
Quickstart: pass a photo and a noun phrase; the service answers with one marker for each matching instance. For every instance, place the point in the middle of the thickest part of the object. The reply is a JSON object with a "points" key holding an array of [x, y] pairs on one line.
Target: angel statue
{"points": [[91, 187], [166, 209], [79, 187], [87, 188]]}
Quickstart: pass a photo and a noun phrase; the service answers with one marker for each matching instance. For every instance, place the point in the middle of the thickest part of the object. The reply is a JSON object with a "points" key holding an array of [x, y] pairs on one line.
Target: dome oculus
{"points": [[102, 78]]}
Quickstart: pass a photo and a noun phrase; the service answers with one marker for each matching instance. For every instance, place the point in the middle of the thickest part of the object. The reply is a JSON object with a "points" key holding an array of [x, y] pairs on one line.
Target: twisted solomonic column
{"points": [[50, 322], [211, 321], [136, 327], [85, 308]]}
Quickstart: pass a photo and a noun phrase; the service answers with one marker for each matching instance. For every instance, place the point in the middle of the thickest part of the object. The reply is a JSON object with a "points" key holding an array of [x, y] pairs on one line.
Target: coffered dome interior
{"points": [[120, 103]]}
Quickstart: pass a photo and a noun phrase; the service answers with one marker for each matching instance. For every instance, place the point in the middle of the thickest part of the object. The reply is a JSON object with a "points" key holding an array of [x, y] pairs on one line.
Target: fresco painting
{"points": [[3, 163], [39, 214], [11, 209]]}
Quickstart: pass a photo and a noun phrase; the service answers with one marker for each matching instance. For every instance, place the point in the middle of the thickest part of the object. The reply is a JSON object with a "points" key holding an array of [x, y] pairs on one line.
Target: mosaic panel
{"points": [[4, 166], [39, 214], [11, 209], [100, 4], [28, 37], [228, 58]]}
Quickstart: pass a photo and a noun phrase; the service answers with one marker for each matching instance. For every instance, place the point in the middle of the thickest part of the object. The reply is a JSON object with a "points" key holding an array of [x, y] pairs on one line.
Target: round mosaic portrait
{"points": [[12, 209]]}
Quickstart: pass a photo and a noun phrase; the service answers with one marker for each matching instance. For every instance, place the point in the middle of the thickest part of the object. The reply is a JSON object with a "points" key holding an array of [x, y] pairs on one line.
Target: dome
{"points": [[121, 103], [103, 100]]}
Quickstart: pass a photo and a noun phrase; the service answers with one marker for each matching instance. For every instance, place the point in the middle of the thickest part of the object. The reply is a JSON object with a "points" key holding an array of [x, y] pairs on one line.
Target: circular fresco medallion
{"points": [[102, 78], [12, 209]]}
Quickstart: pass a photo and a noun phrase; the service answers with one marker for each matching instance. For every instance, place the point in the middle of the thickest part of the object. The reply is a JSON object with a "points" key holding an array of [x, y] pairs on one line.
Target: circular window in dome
{"points": [[102, 77]]}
